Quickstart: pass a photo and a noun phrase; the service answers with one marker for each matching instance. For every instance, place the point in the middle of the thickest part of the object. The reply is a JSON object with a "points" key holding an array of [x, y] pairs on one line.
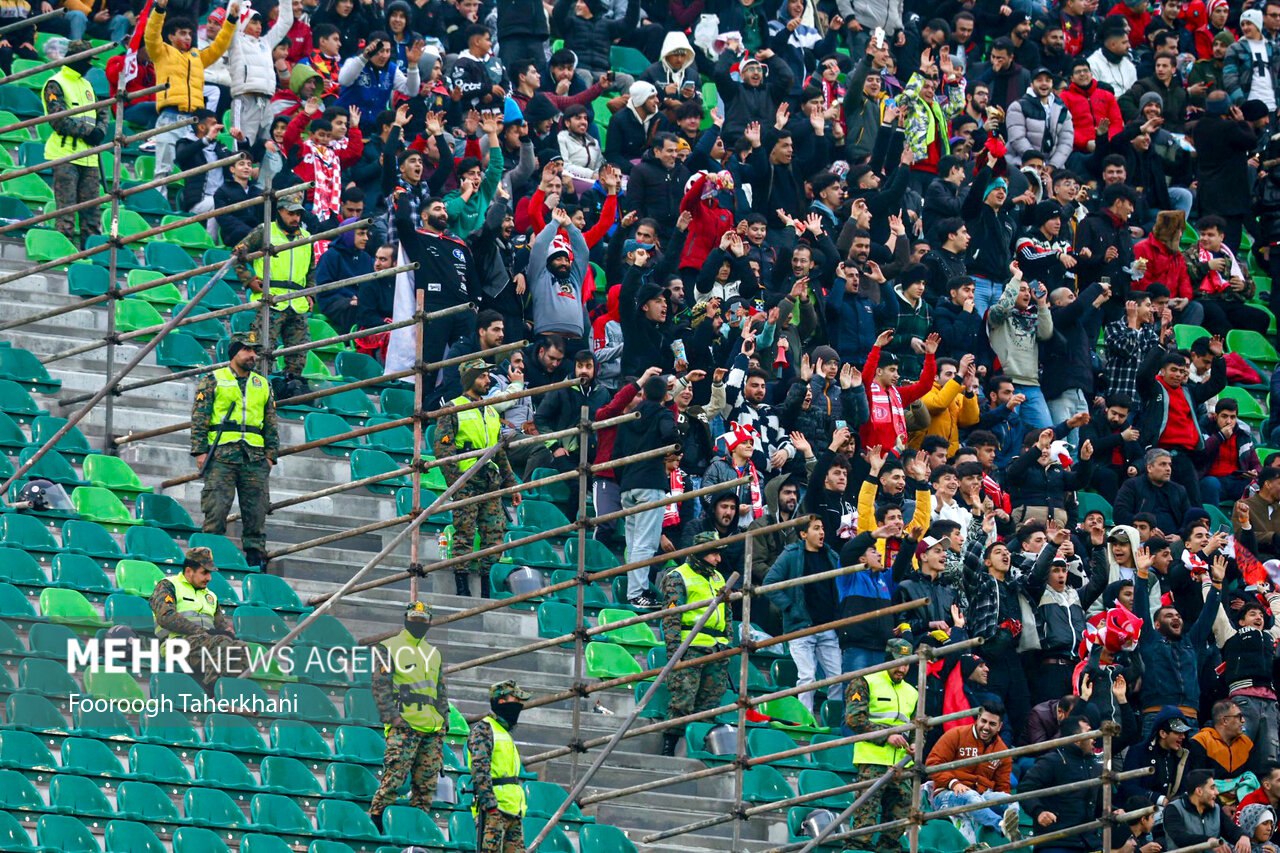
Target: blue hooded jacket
{"points": [[342, 260]]}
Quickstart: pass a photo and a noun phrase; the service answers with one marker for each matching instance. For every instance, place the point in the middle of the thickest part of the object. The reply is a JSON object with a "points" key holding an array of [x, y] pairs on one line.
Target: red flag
{"points": [[135, 42], [1250, 566]]}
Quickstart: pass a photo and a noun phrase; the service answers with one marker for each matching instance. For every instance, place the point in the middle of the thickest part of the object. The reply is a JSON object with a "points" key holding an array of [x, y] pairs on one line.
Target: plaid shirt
{"points": [[1126, 348]]}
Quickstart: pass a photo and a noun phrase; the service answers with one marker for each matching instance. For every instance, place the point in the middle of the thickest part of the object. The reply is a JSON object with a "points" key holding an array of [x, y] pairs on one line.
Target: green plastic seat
{"points": [[793, 711], [557, 492], [128, 836], [218, 769], [33, 190], [90, 757], [1185, 334], [406, 825], [396, 402], [352, 366], [170, 728], [130, 222], [163, 294], [193, 237], [156, 546], [133, 314], [326, 632], [359, 745], [76, 571], [19, 567], [112, 472], [90, 538], [360, 707], [164, 512], [396, 442], [74, 446], [462, 831], [537, 554], [593, 597], [18, 794], [22, 366], [221, 295], [181, 351], [25, 751], [320, 425], [46, 678], [1250, 409], [52, 466], [240, 691], [346, 820], [51, 641], [279, 814], [101, 723], [555, 619], [299, 739], [1252, 346], [212, 807], [540, 515], [352, 404], [66, 834], [125, 609], [1087, 502], [12, 438], [543, 798], [116, 686], [86, 279], [154, 763], [599, 557], [274, 593], [321, 329], [628, 60], [138, 577], [150, 202], [282, 774], [233, 733], [69, 607], [638, 638], [21, 100], [371, 463], [349, 781], [765, 784], [15, 607], [17, 403], [605, 660], [257, 843], [557, 841], [258, 624], [176, 689], [197, 839], [226, 556], [941, 835], [79, 796], [603, 838], [814, 781], [125, 258], [169, 258]]}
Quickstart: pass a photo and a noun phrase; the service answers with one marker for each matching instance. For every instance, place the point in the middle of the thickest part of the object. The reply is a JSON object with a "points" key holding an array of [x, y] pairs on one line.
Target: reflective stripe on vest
{"points": [[243, 411], [504, 764], [891, 704], [76, 92], [416, 671], [288, 270], [195, 605], [477, 429], [699, 588]]}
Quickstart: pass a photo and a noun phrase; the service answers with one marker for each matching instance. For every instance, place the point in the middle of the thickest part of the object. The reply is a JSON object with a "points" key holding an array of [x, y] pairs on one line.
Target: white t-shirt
{"points": [[1262, 88]]}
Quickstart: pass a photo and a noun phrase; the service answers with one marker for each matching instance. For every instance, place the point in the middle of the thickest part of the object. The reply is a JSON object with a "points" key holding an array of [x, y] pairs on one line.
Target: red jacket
{"points": [[1164, 266], [144, 79], [959, 743], [1088, 107], [882, 434], [607, 436], [710, 221], [1137, 20]]}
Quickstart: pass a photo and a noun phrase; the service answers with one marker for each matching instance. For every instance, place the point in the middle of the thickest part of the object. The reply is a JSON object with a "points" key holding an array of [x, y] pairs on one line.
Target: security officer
{"points": [[80, 180], [459, 432], [695, 688], [184, 606], [234, 421], [414, 706], [882, 700], [495, 772], [292, 269]]}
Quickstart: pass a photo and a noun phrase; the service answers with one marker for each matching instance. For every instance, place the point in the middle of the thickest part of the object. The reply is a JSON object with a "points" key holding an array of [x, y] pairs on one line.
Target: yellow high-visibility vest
{"points": [[477, 429], [505, 769], [196, 605], [415, 671], [77, 92], [245, 410], [892, 704], [288, 270], [700, 588]]}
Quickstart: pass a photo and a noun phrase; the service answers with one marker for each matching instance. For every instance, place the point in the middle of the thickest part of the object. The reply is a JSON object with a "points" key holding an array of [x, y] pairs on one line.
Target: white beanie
{"points": [[1252, 16], [641, 91]]}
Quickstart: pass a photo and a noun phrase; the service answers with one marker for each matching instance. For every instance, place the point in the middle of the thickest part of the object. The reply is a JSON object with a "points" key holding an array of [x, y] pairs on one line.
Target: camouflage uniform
{"points": [[411, 754], [164, 608], [694, 688], [893, 800], [496, 831], [286, 325], [486, 515], [74, 183], [238, 467]]}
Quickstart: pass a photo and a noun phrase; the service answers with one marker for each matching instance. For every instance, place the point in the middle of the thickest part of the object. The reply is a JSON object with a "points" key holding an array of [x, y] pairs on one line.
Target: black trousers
{"points": [[1184, 474]]}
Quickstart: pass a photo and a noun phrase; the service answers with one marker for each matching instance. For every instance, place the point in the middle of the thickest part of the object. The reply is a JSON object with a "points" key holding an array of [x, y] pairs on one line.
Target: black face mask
{"points": [[81, 66], [508, 712], [416, 629]]}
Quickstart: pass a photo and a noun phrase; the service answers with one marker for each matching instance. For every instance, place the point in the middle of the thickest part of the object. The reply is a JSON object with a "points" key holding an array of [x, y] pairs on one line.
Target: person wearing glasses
{"points": [[1222, 747]]}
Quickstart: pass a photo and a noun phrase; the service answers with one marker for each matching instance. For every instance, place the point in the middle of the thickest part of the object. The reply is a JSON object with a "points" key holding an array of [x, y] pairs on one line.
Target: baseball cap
{"points": [[289, 203], [417, 611]]}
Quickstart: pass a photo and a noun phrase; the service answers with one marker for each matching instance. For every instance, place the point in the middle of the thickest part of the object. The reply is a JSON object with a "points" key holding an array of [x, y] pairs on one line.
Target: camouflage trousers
{"points": [[73, 184], [891, 802], [413, 755], [222, 483], [290, 329], [214, 656], [497, 832], [485, 516], [698, 687]]}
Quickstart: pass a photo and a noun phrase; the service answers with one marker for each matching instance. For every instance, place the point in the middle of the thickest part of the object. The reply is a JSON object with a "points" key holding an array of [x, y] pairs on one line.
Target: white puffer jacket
{"points": [[253, 72]]}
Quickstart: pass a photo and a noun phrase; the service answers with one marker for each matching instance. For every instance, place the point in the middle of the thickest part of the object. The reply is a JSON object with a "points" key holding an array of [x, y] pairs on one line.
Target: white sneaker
{"points": [[1009, 823]]}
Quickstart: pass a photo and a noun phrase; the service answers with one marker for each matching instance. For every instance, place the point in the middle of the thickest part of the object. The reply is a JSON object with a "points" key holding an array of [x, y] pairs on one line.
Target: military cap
{"points": [[503, 689], [707, 536], [199, 558], [78, 46], [897, 648], [417, 611]]}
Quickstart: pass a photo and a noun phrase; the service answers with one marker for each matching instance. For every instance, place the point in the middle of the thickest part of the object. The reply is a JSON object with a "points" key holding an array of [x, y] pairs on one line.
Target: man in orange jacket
{"points": [[986, 780]]}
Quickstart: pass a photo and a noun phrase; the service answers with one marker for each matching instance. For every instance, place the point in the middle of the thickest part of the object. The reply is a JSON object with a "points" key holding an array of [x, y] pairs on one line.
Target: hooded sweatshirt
{"points": [[343, 260], [661, 73], [557, 301], [253, 71], [1116, 572], [1168, 767], [286, 102]]}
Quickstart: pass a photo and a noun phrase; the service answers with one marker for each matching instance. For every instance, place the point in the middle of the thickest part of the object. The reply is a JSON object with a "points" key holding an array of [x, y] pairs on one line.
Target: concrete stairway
{"points": [[322, 569]]}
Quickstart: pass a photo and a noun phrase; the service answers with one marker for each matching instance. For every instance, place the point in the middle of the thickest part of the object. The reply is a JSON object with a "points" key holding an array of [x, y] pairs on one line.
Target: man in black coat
{"points": [[1104, 246], [757, 96], [1153, 492], [1068, 387], [643, 482], [657, 182], [1224, 141], [1073, 762]]}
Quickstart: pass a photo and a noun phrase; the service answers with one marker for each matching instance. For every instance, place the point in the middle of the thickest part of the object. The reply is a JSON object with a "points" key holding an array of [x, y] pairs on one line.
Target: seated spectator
{"points": [[976, 782], [1231, 463], [198, 192], [344, 258], [236, 225], [1196, 817], [1155, 493]]}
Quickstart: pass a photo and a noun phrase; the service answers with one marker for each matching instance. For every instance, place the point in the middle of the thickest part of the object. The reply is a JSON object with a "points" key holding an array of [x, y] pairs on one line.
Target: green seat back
{"points": [[217, 769], [101, 723], [326, 632], [181, 351], [73, 445], [258, 624], [358, 744], [17, 566], [371, 463], [765, 784], [639, 635], [360, 707], [66, 834], [76, 571], [599, 557], [406, 825], [52, 466], [18, 794], [161, 294], [603, 838], [605, 660], [22, 366], [342, 819], [46, 677], [350, 781], [353, 404], [112, 472], [225, 553], [1087, 502], [170, 728], [284, 775], [164, 512], [167, 257], [296, 738], [212, 807], [272, 592], [12, 438], [116, 686], [1185, 334], [279, 814], [234, 733], [134, 314], [90, 757], [196, 839], [69, 607], [258, 843], [17, 403], [24, 751], [124, 609], [157, 764], [127, 836], [153, 544], [240, 690], [557, 841], [138, 577], [33, 713], [147, 801], [85, 279], [540, 515], [177, 689], [396, 402], [1250, 408]]}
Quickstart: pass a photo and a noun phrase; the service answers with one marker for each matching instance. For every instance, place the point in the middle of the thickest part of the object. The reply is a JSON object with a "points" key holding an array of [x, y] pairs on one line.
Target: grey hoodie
{"points": [[557, 306]]}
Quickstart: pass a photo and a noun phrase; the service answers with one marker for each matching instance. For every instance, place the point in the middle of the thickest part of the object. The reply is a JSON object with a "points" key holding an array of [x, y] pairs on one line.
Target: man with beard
{"points": [[561, 409], [494, 763], [1170, 402], [1165, 753], [1115, 445], [413, 703], [945, 261], [721, 518], [781, 497], [556, 271], [746, 390], [976, 782]]}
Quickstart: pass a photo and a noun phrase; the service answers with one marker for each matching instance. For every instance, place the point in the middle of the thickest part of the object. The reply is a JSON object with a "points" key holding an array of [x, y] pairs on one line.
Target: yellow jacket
{"points": [[867, 510], [950, 410], [184, 72]]}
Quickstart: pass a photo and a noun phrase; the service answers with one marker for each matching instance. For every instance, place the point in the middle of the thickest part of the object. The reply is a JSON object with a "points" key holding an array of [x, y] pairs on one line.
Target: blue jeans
{"points": [[77, 23], [1181, 198], [855, 658], [1034, 410], [987, 817], [985, 294], [809, 653], [644, 535], [1061, 408]]}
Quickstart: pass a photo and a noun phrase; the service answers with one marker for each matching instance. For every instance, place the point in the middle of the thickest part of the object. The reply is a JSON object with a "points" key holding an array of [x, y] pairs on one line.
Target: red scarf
{"points": [[886, 407], [671, 512]]}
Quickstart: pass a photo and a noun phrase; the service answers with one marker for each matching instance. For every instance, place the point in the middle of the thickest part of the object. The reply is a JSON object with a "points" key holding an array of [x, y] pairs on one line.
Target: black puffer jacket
{"points": [[1167, 766], [745, 104], [591, 38], [1064, 765], [1033, 484]]}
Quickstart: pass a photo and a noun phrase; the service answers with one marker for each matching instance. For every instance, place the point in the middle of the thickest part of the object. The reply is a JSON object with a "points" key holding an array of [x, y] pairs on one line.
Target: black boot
{"points": [[484, 584], [254, 557], [376, 817], [463, 581], [670, 740]]}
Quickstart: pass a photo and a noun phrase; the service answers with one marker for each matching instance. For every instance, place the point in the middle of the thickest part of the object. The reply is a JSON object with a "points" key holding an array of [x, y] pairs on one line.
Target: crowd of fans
{"points": [[912, 268]]}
